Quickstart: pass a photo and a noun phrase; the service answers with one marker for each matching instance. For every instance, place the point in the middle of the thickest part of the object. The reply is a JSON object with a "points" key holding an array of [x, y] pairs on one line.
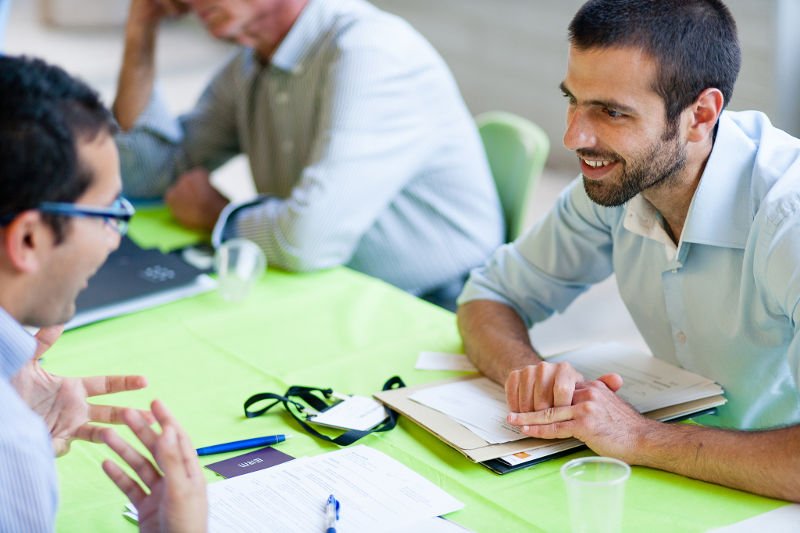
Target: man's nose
{"points": [[579, 133]]}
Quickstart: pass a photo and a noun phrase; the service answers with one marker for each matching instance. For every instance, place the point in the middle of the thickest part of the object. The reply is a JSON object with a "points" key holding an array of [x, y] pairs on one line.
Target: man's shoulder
{"points": [[775, 172], [360, 26]]}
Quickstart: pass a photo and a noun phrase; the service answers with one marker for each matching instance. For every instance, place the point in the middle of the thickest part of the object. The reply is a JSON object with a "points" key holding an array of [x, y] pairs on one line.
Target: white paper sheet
{"points": [[444, 361], [649, 383], [784, 519], [376, 493], [354, 412], [478, 404]]}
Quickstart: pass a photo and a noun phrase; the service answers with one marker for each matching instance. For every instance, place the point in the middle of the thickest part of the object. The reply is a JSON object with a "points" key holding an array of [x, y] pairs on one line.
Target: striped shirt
{"points": [[28, 487], [358, 140]]}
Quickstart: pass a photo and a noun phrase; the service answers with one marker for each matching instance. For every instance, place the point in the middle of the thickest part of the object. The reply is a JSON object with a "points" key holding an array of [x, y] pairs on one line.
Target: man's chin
{"points": [[604, 195]]}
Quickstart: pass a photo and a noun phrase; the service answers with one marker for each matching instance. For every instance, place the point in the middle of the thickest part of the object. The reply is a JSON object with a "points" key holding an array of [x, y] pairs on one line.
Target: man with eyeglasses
{"points": [[61, 214]]}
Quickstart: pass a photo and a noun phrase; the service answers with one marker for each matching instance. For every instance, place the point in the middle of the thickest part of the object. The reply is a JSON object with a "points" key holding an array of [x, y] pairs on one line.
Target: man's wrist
{"points": [[656, 444]]}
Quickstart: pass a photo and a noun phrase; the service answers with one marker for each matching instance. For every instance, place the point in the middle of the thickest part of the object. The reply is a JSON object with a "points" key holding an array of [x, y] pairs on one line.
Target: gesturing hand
{"points": [[175, 499], [62, 402]]}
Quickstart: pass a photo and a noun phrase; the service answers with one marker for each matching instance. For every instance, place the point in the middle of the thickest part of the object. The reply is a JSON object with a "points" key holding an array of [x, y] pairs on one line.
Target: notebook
{"points": [[133, 279]]}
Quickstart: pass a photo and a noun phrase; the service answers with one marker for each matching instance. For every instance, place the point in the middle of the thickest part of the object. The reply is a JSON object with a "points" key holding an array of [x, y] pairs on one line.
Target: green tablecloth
{"points": [[204, 357]]}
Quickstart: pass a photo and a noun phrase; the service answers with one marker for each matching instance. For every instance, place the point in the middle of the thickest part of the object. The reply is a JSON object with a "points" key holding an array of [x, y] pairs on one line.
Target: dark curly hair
{"points": [[44, 113]]}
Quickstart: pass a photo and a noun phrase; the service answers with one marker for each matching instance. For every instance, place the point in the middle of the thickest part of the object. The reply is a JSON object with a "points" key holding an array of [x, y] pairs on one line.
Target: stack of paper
{"points": [[470, 413], [649, 383]]}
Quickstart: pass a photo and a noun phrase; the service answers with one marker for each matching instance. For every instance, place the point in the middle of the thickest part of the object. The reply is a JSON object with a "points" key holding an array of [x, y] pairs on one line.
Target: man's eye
{"points": [[612, 113]]}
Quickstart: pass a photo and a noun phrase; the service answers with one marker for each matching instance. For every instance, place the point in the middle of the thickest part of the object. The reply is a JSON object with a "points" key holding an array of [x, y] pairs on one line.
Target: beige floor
{"points": [[187, 58]]}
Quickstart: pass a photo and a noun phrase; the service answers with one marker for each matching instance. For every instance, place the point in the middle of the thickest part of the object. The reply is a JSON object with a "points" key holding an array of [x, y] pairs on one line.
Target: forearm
{"points": [[135, 83], [762, 462], [495, 338]]}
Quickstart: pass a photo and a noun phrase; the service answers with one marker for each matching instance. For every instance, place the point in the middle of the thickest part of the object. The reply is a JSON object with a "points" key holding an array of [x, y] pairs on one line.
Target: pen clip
{"points": [[333, 503]]}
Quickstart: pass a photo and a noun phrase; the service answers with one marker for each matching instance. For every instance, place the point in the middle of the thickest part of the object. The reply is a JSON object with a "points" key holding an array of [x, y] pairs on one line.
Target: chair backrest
{"points": [[517, 150]]}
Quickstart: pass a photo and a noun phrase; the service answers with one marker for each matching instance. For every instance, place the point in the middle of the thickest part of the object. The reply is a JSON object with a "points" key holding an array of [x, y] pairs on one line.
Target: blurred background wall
{"points": [[505, 54]]}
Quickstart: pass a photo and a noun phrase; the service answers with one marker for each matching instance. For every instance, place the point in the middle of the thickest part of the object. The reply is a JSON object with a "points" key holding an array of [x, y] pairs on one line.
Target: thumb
{"points": [[167, 455], [612, 381], [46, 337]]}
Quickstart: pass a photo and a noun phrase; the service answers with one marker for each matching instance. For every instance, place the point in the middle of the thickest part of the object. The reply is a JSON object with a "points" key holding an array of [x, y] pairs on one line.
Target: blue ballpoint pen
{"points": [[242, 444], [331, 514]]}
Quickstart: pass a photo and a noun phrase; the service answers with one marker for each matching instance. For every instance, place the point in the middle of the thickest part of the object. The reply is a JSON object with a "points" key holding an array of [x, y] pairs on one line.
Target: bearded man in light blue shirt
{"points": [[358, 141], [697, 212]]}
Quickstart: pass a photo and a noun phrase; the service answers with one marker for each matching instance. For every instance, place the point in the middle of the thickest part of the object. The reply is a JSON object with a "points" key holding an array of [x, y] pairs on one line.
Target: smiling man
{"points": [[697, 212], [357, 137]]}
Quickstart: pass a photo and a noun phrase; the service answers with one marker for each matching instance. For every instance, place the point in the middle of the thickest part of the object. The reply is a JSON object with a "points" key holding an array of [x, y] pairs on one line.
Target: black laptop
{"points": [[135, 278]]}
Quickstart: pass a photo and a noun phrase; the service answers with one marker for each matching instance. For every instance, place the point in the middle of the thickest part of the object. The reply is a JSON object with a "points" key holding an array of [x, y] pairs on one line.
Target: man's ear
{"points": [[704, 114], [24, 240]]}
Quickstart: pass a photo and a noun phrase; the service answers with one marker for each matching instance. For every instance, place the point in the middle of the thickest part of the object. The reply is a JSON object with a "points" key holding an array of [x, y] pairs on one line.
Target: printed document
{"points": [[649, 384], [376, 493]]}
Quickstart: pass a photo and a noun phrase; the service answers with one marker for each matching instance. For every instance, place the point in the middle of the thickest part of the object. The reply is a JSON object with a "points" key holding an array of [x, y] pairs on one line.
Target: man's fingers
{"points": [[98, 385], [141, 428], [563, 389], [543, 386], [111, 414], [188, 454], [612, 381], [526, 390], [173, 8], [545, 416], [559, 430], [46, 337], [512, 391], [163, 415], [89, 433], [138, 462], [125, 483]]}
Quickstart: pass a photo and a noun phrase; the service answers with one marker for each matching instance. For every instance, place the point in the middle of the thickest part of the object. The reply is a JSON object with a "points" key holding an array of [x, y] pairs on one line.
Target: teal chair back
{"points": [[517, 150]]}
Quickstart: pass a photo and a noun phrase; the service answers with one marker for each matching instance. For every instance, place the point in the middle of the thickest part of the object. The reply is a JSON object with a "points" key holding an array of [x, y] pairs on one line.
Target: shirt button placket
{"points": [[671, 280]]}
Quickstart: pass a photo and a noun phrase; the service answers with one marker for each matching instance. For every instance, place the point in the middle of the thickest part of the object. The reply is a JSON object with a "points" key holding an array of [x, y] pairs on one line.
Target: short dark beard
{"points": [[658, 166]]}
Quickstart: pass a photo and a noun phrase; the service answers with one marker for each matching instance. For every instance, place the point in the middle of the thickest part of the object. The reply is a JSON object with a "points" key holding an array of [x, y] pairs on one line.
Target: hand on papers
{"points": [[194, 202], [597, 416], [545, 385], [175, 497], [62, 402]]}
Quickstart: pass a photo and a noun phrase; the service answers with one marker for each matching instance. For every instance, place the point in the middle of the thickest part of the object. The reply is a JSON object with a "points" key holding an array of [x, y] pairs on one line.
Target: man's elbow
{"points": [[310, 259]]}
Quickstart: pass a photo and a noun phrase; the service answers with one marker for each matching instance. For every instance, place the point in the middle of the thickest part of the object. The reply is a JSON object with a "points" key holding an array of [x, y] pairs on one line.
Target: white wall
{"points": [[511, 55]]}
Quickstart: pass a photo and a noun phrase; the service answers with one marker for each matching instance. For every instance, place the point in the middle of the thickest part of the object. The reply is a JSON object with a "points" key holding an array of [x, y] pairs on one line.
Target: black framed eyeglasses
{"points": [[116, 215]]}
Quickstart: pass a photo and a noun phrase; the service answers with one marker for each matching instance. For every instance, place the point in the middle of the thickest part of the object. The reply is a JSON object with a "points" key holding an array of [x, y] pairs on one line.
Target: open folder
{"points": [[135, 278], [458, 410]]}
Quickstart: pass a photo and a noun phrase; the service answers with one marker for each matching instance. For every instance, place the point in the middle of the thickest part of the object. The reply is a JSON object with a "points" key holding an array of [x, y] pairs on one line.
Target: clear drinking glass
{"points": [[238, 263], [596, 493]]}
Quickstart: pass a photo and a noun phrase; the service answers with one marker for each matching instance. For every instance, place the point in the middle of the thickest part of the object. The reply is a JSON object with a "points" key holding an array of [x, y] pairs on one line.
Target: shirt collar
{"points": [[720, 213], [17, 347], [303, 38]]}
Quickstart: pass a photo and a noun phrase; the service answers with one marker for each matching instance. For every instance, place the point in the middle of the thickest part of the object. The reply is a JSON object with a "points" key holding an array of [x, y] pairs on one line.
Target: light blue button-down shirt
{"points": [[359, 140], [723, 303], [28, 487]]}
